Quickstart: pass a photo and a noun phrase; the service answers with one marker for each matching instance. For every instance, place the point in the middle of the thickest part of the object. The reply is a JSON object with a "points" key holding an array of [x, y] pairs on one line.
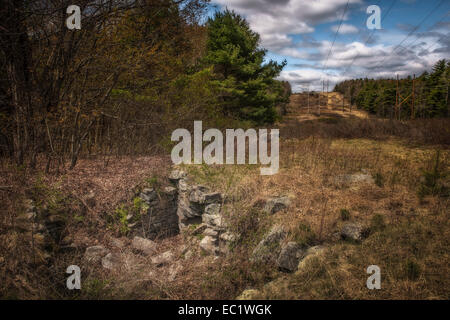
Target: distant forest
{"points": [[423, 97]]}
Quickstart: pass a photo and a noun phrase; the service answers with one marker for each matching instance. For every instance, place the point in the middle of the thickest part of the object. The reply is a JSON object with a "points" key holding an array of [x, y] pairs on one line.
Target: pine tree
{"points": [[247, 86]]}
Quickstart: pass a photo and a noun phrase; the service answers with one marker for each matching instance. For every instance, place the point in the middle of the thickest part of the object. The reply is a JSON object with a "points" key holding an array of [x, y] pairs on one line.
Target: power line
{"points": [[440, 20], [335, 35], [370, 36], [412, 31], [434, 43]]}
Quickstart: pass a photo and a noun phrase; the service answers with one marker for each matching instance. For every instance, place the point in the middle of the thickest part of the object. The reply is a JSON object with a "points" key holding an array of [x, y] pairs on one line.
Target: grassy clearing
{"points": [[409, 226]]}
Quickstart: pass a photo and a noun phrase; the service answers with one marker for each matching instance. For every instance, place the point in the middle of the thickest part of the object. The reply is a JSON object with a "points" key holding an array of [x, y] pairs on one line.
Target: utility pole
{"points": [[308, 99], [328, 95], [323, 89], [343, 102], [413, 97], [396, 102], [351, 99]]}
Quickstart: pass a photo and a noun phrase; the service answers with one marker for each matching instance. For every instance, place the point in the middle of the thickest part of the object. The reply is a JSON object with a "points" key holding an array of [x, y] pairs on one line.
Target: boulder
{"points": [[95, 254], [274, 205], [188, 255], [354, 231], [171, 192], [269, 248], [290, 255], [213, 197], [199, 229], [310, 254], [249, 294], [163, 258], [112, 261], [174, 271], [89, 199], [227, 237], [211, 232], [212, 217], [176, 175], [362, 177], [117, 243], [149, 195], [209, 245], [145, 246]]}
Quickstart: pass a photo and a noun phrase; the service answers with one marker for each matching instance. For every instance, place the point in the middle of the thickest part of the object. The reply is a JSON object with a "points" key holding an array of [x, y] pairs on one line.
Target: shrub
{"points": [[412, 270], [345, 215]]}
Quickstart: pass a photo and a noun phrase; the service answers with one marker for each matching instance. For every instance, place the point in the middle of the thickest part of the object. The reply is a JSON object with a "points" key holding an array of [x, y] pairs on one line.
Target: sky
{"points": [[328, 40]]}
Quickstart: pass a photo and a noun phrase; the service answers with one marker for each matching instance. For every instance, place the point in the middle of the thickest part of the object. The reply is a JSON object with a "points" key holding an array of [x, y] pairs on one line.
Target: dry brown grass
{"points": [[314, 151]]}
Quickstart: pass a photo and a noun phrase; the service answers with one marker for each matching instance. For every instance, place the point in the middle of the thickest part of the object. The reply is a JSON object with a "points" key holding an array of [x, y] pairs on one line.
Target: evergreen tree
{"points": [[247, 86]]}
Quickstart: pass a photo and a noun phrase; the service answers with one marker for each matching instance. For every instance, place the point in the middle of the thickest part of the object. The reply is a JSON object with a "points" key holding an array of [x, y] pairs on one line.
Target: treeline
{"points": [[423, 97], [134, 72]]}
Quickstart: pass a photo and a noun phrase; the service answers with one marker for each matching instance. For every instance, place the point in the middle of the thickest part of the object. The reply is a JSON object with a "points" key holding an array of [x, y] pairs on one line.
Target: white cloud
{"points": [[275, 18], [345, 29], [278, 20]]}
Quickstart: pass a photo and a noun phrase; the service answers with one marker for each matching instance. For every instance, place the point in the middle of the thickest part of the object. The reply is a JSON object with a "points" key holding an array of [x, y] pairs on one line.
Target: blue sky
{"points": [[414, 35]]}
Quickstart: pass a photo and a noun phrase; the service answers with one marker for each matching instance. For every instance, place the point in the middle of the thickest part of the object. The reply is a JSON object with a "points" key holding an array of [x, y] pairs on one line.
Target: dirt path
{"points": [[303, 108]]}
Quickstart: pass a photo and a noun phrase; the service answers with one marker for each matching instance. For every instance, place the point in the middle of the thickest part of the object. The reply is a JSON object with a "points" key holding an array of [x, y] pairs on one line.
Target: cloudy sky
{"points": [[414, 34]]}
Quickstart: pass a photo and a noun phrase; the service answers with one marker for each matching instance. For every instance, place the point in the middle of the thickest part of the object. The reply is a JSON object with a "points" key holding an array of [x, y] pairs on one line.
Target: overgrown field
{"points": [[405, 206]]}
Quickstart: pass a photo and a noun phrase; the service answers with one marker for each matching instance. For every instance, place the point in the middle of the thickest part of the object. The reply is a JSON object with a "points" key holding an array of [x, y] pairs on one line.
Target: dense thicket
{"points": [[135, 71], [379, 96]]}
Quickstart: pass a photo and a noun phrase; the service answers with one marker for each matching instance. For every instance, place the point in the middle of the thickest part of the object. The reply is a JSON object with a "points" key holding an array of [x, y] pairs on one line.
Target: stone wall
{"points": [[161, 218]]}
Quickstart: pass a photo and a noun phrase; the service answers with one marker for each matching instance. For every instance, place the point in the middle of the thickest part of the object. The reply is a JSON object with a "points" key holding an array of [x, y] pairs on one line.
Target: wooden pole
{"points": [[396, 101], [323, 89], [308, 99], [351, 99], [413, 96]]}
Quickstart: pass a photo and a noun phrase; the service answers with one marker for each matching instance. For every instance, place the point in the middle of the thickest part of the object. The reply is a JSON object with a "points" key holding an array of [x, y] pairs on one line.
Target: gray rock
{"points": [[177, 175], [117, 243], [354, 231], [112, 261], [188, 255], [170, 191], [249, 294], [95, 254], [163, 259], [273, 205], [214, 197], [356, 178], [90, 199], [199, 229], [190, 202], [227, 237], [209, 245], [211, 232], [269, 248], [213, 221], [213, 209], [310, 254], [146, 246], [289, 256], [183, 185], [149, 195], [197, 195], [174, 271]]}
